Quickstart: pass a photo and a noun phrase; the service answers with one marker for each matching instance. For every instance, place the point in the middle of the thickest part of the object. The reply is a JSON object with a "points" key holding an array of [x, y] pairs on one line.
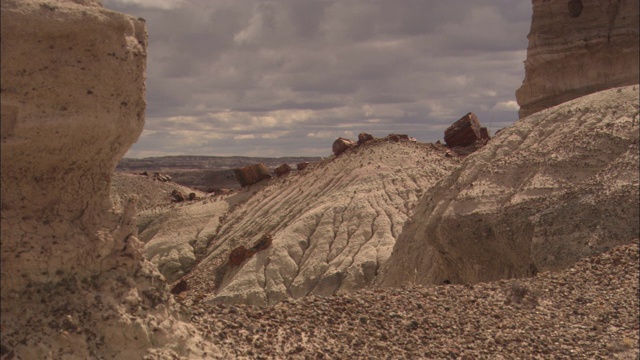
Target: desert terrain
{"points": [[519, 246], [204, 173]]}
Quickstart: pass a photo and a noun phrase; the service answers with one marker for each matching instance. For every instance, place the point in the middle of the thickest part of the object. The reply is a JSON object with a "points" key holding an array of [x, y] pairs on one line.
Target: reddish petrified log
{"points": [[282, 170], [397, 137], [463, 132], [364, 137], [251, 174], [341, 145], [484, 133]]}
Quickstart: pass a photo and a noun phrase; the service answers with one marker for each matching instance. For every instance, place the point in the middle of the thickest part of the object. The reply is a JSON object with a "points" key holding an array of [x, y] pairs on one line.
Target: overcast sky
{"points": [[288, 77]]}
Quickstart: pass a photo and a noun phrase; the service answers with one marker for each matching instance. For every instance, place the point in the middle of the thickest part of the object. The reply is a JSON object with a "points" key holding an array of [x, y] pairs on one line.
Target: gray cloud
{"points": [[287, 77]]}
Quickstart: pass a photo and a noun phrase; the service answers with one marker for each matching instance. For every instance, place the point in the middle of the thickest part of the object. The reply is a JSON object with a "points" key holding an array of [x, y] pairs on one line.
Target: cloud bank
{"points": [[280, 78]]}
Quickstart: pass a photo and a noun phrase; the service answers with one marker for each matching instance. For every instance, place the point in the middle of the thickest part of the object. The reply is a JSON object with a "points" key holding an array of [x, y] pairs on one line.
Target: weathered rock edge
{"points": [[577, 48], [555, 187], [74, 282]]}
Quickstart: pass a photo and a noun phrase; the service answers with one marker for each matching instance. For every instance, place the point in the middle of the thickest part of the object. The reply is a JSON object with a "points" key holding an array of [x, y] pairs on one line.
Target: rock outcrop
{"points": [[282, 170], [252, 174], [555, 187], [364, 137], [341, 145], [464, 132], [333, 226], [74, 282], [579, 47]]}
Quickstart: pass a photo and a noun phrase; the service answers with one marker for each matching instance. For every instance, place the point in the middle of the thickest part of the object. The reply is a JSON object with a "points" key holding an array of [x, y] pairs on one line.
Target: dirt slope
{"points": [[588, 311], [333, 225], [557, 186]]}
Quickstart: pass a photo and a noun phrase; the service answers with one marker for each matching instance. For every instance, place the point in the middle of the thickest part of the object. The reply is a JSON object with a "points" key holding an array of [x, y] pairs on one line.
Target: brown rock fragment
{"points": [[484, 133], [262, 244], [282, 170], [238, 255], [341, 145], [177, 196], [397, 137], [364, 137], [180, 287], [302, 166], [463, 132], [251, 174]]}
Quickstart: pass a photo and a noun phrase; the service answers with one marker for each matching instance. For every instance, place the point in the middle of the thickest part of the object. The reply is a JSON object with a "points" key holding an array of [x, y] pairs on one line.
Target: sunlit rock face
{"points": [[74, 282], [73, 101], [577, 47], [557, 186]]}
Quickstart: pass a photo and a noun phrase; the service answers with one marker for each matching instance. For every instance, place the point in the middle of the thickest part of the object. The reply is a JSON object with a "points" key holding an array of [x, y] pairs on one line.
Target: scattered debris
{"points": [[241, 253], [180, 287]]}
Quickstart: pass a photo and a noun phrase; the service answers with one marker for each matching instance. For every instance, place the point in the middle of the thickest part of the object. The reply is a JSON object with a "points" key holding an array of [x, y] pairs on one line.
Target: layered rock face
{"points": [[74, 282], [557, 186], [576, 48], [333, 226]]}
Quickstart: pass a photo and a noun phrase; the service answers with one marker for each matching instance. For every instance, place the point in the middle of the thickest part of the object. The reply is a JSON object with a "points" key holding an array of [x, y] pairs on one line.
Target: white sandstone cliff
{"points": [[74, 282], [579, 47]]}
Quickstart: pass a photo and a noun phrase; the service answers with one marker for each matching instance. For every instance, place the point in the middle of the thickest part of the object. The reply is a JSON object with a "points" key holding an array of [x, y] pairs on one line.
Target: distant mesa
{"points": [[252, 174]]}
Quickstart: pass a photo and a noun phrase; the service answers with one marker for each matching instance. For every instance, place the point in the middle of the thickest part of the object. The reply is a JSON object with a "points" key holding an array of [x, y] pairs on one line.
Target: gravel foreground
{"points": [[589, 311]]}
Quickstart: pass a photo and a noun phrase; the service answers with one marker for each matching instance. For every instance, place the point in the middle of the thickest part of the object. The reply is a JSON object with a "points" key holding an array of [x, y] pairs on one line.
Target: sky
{"points": [[288, 77]]}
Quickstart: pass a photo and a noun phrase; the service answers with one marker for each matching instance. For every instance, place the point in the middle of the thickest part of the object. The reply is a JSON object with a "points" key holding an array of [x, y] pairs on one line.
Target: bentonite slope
{"points": [[173, 233], [333, 225], [579, 47], [557, 186], [588, 311], [75, 284]]}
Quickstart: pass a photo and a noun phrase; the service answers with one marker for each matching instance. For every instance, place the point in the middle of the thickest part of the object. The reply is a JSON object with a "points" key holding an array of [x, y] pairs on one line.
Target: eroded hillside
{"points": [[333, 225], [557, 186]]}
